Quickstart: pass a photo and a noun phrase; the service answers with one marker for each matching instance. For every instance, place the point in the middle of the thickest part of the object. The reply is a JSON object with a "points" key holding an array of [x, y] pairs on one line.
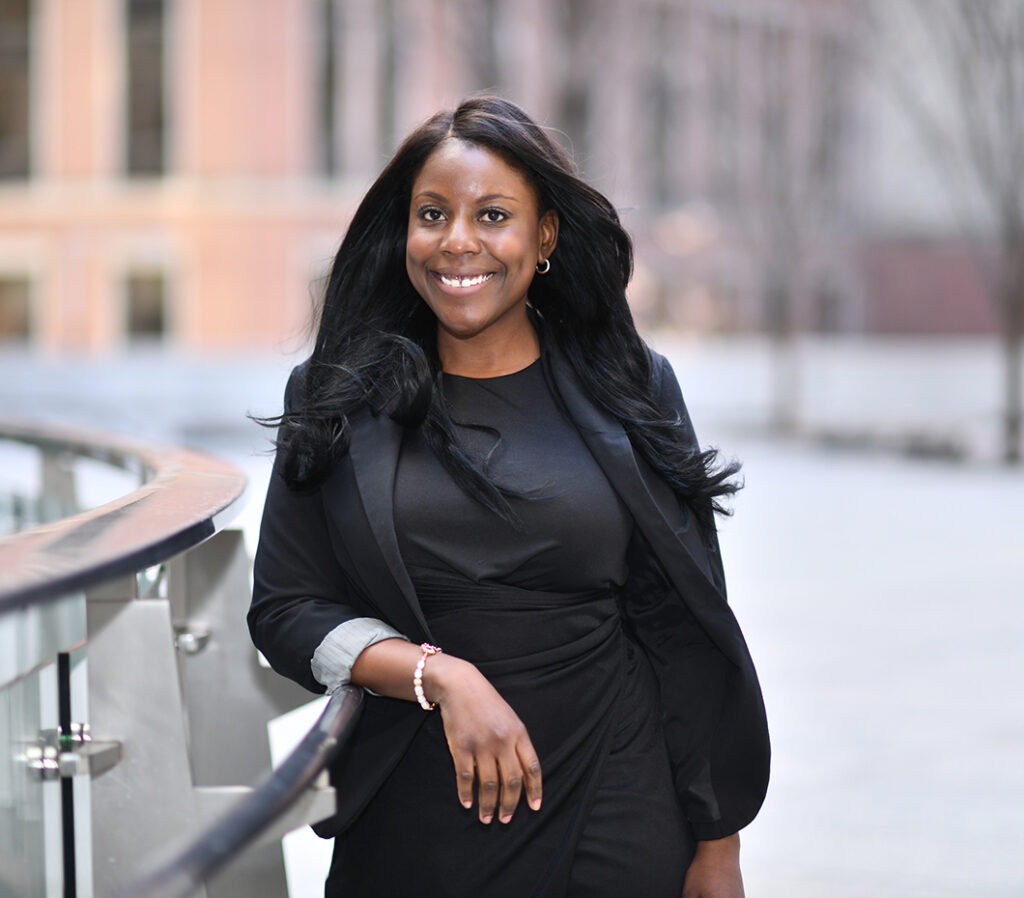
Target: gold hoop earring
{"points": [[544, 266]]}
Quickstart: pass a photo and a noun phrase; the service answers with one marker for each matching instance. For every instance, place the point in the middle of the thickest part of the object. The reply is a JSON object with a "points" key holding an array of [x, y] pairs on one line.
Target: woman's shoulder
{"points": [[659, 363], [666, 390], [296, 385], [662, 376]]}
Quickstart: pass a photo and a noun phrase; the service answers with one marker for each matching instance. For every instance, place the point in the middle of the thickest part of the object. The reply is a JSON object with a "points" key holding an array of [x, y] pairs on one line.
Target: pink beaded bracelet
{"points": [[417, 676]]}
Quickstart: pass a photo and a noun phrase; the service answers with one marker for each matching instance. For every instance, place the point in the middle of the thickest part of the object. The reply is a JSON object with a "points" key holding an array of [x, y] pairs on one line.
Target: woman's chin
{"points": [[483, 325], [462, 330]]}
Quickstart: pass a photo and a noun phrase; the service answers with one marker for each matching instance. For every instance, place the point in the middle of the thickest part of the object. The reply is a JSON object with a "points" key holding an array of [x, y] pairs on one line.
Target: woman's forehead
{"points": [[470, 168]]}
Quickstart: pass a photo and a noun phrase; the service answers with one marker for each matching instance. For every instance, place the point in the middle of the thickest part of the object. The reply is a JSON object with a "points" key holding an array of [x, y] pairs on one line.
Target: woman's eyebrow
{"points": [[487, 198], [497, 196]]}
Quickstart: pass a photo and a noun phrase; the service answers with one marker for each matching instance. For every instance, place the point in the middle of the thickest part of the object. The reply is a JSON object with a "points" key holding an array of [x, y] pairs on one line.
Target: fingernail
{"points": [[467, 804], [534, 804], [506, 818], [486, 819]]}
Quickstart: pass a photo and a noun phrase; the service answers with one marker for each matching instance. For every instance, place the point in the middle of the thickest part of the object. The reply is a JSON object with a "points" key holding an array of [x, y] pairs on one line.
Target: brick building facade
{"points": [[182, 170]]}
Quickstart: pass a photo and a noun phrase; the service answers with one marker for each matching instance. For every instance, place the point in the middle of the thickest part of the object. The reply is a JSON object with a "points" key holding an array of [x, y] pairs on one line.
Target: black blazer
{"points": [[331, 554]]}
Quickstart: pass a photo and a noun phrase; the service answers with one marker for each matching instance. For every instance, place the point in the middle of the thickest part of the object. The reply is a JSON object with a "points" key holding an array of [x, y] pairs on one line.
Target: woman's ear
{"points": [[548, 234]]}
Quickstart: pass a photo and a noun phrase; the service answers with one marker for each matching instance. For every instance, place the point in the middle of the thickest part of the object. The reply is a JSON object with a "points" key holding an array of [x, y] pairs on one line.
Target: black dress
{"points": [[533, 606]]}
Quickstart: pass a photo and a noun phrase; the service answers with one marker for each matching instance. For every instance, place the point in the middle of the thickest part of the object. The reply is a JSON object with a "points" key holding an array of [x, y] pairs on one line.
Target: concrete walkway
{"points": [[884, 603]]}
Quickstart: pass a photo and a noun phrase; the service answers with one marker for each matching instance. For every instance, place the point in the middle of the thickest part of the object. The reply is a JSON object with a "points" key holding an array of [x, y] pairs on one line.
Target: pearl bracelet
{"points": [[417, 676]]}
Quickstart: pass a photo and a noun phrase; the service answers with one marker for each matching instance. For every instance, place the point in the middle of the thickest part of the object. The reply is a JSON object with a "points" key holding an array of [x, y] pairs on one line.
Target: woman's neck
{"points": [[487, 358]]}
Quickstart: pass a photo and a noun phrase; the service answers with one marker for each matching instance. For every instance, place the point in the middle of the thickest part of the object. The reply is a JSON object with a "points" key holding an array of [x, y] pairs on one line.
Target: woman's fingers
{"points": [[500, 783], [511, 788], [487, 774], [465, 775], [503, 785], [532, 776]]}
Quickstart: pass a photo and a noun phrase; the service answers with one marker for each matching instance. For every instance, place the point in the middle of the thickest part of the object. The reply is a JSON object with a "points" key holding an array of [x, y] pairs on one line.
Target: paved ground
{"points": [[884, 604]]}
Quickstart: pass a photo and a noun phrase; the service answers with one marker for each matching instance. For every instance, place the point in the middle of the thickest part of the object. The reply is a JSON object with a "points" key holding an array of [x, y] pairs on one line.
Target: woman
{"points": [[489, 509]]}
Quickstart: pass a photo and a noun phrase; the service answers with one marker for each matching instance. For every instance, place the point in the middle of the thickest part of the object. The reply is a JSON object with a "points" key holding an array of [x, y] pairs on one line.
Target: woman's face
{"points": [[475, 239]]}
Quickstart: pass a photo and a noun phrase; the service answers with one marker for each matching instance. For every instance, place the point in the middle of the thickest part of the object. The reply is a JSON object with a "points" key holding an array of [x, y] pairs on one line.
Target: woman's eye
{"points": [[431, 214], [493, 216]]}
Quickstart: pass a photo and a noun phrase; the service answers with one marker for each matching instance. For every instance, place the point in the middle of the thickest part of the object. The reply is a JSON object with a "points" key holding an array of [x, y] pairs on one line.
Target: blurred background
{"points": [[828, 207]]}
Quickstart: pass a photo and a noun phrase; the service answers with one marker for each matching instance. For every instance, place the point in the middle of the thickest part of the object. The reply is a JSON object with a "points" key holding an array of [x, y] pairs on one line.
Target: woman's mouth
{"points": [[463, 281]]}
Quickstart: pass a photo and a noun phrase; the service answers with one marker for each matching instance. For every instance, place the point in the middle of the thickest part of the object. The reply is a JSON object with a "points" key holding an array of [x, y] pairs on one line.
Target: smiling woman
{"points": [[476, 238], [490, 510]]}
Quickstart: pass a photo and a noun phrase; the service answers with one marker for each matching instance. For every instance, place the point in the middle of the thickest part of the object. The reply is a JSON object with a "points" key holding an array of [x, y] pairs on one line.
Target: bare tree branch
{"points": [[973, 56]]}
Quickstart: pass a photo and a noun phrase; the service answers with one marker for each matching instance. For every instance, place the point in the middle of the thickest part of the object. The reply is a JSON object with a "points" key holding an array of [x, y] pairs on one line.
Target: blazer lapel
{"points": [[374, 449], [666, 524]]}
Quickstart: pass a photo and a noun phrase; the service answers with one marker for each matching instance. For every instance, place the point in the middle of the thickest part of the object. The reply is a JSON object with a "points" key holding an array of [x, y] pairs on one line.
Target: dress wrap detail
{"points": [[583, 691]]}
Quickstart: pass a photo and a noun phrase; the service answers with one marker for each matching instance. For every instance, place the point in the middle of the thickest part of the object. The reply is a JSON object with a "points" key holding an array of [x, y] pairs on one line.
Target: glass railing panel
{"points": [[20, 487], [80, 811], [31, 854], [41, 485], [31, 809], [98, 482]]}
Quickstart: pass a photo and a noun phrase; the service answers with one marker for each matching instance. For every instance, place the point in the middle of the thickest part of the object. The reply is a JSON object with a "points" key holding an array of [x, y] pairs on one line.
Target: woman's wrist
{"points": [[727, 848], [388, 668], [441, 674]]}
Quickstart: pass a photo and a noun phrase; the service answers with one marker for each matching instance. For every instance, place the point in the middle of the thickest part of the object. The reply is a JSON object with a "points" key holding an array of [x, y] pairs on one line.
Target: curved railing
{"points": [[182, 497], [211, 850], [131, 700]]}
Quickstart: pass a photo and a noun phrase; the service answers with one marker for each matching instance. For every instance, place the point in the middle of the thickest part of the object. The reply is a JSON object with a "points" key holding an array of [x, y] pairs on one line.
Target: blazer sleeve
{"points": [[301, 592], [713, 713]]}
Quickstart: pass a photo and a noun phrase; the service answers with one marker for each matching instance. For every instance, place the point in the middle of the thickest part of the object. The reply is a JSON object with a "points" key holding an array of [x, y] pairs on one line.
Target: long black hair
{"points": [[376, 345]]}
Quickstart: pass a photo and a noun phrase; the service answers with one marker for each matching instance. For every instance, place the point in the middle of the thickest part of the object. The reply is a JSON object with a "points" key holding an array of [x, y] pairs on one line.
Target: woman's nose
{"points": [[460, 236]]}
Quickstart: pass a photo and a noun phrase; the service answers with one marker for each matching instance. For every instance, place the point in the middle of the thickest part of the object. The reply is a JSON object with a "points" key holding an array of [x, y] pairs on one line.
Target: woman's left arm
{"points": [[715, 870], [737, 790]]}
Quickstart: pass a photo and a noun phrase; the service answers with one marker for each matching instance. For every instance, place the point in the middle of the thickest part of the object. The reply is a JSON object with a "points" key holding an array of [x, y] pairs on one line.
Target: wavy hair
{"points": [[376, 344]]}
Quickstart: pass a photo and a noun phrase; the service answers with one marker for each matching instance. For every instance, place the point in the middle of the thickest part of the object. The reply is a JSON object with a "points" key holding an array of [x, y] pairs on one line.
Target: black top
{"points": [[535, 607], [573, 528]]}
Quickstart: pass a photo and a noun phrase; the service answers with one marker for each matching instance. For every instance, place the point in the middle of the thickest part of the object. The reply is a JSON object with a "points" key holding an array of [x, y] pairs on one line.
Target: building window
{"points": [[575, 113], [482, 45], [389, 26], [145, 306], [775, 105], [828, 307], [724, 97], [668, 95], [328, 90], [145, 100], [832, 75], [15, 309], [14, 88], [659, 119]]}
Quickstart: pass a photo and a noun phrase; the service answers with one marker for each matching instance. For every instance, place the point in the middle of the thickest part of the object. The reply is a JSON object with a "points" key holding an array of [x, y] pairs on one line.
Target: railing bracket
{"points": [[191, 639], [60, 755]]}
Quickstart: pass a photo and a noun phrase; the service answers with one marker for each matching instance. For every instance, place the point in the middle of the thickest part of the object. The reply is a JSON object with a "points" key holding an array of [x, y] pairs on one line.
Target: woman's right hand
{"points": [[488, 742]]}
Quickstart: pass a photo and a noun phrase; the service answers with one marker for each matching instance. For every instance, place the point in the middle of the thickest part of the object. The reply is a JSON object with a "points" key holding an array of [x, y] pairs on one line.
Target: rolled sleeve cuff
{"points": [[333, 659]]}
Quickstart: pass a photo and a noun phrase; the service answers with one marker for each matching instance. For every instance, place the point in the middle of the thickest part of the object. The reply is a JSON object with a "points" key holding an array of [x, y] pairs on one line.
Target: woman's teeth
{"points": [[469, 281]]}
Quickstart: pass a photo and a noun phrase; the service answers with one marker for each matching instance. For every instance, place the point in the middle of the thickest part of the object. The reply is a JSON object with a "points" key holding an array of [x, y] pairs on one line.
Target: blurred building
{"points": [[161, 177], [180, 171]]}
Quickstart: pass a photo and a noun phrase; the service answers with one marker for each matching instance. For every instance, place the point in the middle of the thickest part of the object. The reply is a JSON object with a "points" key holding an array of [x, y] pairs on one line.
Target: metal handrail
{"points": [[181, 503], [182, 500], [212, 849]]}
